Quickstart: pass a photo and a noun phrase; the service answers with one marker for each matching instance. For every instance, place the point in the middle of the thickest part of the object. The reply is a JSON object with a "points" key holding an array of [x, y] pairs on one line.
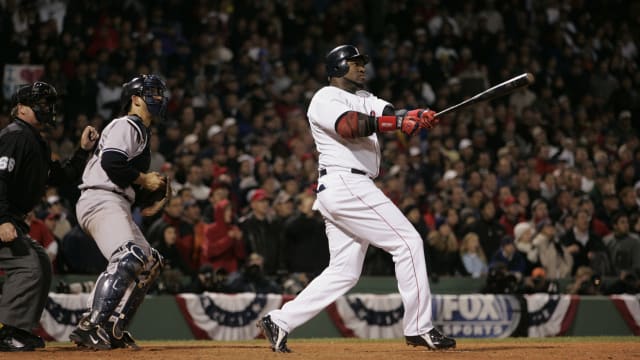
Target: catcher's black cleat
{"points": [[16, 339], [434, 340], [126, 342], [276, 336], [90, 335]]}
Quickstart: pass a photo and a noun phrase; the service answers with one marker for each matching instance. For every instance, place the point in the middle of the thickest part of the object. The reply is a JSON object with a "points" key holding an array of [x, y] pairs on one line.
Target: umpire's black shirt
{"points": [[26, 169]]}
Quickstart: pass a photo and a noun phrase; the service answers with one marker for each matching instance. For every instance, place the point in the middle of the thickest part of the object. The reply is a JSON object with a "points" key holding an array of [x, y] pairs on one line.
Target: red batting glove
{"points": [[428, 119], [411, 122]]}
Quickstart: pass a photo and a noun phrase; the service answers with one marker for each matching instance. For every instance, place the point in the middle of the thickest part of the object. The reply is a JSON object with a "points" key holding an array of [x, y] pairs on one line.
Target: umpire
{"points": [[25, 170]]}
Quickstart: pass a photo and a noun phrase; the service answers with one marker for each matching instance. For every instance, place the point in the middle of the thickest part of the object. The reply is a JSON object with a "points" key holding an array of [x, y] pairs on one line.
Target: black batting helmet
{"points": [[336, 60], [41, 97], [149, 88]]}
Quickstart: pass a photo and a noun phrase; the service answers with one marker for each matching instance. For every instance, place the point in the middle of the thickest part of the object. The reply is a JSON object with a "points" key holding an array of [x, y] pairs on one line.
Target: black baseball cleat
{"points": [[434, 340], [90, 335], [125, 342], [276, 336], [16, 339]]}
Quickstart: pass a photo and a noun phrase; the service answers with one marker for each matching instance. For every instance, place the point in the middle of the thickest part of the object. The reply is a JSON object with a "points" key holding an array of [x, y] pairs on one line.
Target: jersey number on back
{"points": [[7, 163]]}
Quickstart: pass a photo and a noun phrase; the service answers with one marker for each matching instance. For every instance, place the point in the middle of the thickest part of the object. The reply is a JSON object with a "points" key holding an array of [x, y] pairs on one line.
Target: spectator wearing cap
{"points": [[223, 247], [522, 239], [305, 247], [465, 149], [623, 246], [590, 250], [259, 233], [246, 180], [508, 254], [231, 131], [220, 190]]}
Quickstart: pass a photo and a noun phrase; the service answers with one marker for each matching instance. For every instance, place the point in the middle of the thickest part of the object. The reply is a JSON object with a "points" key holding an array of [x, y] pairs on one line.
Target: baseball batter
{"points": [[344, 120], [121, 160]]}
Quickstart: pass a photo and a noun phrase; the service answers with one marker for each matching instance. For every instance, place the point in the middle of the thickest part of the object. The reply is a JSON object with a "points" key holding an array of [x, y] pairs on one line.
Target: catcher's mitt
{"points": [[153, 201]]}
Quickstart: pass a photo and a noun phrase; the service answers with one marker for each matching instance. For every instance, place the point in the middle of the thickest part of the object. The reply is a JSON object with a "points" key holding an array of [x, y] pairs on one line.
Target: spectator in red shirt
{"points": [[39, 232], [223, 246]]}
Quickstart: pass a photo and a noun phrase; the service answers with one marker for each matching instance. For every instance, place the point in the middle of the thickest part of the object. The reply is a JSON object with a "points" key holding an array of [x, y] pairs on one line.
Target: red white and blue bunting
{"points": [[550, 315], [224, 316], [233, 317], [629, 308], [368, 315], [61, 314]]}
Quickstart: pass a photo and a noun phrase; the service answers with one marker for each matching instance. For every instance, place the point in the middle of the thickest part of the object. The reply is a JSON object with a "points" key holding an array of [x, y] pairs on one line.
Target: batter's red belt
{"points": [[323, 172]]}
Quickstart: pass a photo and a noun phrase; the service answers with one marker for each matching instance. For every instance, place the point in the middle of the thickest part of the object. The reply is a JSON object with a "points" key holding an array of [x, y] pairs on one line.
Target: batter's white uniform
{"points": [[104, 208], [357, 214]]}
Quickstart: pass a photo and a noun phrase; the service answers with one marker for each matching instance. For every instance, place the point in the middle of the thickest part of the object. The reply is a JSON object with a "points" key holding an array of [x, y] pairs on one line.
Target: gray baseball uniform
{"points": [[104, 208]]}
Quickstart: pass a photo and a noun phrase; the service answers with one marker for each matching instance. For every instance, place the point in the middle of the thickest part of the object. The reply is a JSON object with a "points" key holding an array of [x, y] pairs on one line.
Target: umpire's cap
{"points": [[336, 60]]}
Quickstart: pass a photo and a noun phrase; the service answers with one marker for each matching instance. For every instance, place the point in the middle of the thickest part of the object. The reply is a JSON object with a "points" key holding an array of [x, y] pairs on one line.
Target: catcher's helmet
{"points": [[41, 97], [336, 60], [149, 88]]}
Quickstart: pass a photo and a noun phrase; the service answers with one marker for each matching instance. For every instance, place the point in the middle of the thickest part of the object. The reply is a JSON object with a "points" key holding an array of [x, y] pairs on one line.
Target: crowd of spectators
{"points": [[540, 185]]}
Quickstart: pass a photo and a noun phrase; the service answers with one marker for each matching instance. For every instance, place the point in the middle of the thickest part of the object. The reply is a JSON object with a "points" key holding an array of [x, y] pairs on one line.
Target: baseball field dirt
{"points": [[512, 348]]}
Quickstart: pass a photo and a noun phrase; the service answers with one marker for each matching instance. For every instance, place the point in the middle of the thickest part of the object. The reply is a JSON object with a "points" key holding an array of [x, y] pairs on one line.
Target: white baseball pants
{"points": [[357, 214]]}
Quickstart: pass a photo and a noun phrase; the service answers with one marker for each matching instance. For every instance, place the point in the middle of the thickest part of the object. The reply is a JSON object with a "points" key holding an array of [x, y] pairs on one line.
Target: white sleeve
{"points": [[325, 109], [124, 137]]}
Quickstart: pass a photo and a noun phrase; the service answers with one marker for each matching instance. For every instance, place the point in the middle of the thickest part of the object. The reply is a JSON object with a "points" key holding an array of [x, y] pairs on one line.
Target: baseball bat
{"points": [[494, 92]]}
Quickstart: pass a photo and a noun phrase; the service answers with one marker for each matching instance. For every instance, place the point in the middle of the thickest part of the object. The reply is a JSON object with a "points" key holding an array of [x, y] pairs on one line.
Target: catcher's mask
{"points": [[336, 61], [151, 89], [41, 97]]}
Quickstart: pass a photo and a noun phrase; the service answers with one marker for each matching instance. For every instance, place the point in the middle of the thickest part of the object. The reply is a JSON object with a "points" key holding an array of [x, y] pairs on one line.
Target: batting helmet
{"points": [[149, 88], [41, 97], [336, 60]]}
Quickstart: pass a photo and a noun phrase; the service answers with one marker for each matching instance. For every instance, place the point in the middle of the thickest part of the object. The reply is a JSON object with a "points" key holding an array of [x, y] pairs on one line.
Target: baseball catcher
{"points": [[115, 178]]}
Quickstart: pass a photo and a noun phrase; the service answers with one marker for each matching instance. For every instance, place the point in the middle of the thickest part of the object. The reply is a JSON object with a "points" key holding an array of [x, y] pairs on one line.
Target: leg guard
{"points": [[133, 297], [125, 265]]}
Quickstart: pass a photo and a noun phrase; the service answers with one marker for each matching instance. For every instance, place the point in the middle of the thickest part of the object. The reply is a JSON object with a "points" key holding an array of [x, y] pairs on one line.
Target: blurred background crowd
{"points": [[540, 185]]}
